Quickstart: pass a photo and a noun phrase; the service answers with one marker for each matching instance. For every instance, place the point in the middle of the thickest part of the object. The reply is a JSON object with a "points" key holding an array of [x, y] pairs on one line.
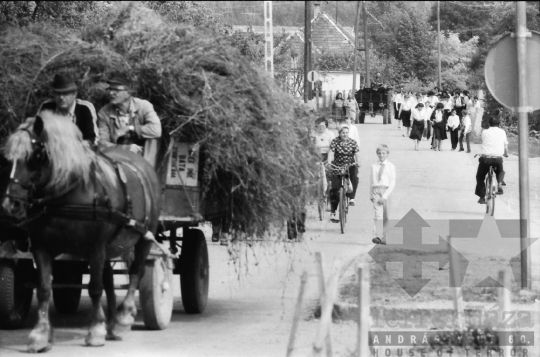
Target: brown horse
{"points": [[77, 202]]}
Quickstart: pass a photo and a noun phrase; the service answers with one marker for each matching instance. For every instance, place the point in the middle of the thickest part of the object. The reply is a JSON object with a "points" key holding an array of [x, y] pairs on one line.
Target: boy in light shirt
{"points": [[382, 183], [465, 131], [453, 125]]}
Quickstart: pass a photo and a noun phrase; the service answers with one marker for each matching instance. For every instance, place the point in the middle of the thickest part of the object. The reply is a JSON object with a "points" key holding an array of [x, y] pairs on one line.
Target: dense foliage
{"points": [[253, 136]]}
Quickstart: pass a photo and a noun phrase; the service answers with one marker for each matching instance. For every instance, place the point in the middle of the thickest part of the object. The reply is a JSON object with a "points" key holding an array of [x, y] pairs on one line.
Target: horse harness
{"points": [[45, 206]]}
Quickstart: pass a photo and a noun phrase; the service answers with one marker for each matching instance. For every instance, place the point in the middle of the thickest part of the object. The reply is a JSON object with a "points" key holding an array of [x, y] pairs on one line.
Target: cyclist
{"points": [[344, 151], [323, 137], [494, 147]]}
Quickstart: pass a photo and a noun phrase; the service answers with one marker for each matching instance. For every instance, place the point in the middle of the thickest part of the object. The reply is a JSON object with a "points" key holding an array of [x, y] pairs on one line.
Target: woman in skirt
{"points": [[339, 108], [417, 129], [405, 111], [439, 126]]}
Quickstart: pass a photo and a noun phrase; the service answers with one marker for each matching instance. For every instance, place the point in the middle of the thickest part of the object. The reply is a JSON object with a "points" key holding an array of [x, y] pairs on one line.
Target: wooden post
{"points": [[536, 321], [366, 46], [454, 278], [355, 60], [322, 291], [327, 309], [307, 49], [317, 98], [363, 310], [297, 311], [324, 99], [504, 305]]}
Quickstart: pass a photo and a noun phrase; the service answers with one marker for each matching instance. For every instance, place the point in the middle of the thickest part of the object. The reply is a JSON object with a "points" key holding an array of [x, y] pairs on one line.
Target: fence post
{"points": [[322, 291], [327, 309], [504, 306], [324, 99], [363, 310], [297, 311], [317, 98], [454, 278]]}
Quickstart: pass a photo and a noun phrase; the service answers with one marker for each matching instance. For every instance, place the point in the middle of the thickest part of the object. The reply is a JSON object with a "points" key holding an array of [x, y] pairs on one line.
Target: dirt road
{"points": [[251, 299]]}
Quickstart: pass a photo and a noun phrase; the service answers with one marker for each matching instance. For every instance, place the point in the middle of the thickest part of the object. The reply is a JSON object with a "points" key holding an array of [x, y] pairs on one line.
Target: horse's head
{"points": [[29, 170]]}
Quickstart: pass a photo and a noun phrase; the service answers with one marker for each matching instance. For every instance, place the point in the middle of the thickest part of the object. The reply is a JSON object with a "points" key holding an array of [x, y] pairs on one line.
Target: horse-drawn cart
{"points": [[373, 101], [180, 249]]}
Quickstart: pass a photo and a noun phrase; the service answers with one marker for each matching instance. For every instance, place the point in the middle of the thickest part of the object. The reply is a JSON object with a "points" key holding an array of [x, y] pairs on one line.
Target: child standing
{"points": [[465, 131], [454, 126], [383, 181]]}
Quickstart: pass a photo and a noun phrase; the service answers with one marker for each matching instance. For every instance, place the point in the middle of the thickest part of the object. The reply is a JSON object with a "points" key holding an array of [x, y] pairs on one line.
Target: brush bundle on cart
{"points": [[250, 138]]}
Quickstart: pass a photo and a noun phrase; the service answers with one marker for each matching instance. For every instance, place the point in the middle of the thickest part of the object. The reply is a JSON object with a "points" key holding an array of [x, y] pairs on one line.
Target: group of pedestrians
{"points": [[432, 115], [345, 108], [343, 151]]}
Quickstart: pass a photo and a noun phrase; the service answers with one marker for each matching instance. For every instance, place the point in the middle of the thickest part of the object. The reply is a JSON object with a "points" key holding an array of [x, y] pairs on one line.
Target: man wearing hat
{"points": [[65, 103], [129, 121]]}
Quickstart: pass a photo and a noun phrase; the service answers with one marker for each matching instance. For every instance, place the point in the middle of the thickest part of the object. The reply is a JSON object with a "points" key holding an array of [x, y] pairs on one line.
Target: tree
{"points": [[70, 14]]}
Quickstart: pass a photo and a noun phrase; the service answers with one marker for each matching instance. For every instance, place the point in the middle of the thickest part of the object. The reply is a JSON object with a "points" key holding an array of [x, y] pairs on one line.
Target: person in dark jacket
{"points": [[65, 103]]}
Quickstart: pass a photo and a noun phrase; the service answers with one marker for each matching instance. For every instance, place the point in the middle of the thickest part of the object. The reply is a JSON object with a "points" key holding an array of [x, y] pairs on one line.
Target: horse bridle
{"points": [[30, 187]]}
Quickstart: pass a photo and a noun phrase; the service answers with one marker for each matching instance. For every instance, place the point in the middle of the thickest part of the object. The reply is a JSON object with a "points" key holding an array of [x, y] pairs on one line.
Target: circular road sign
{"points": [[312, 76], [501, 71]]}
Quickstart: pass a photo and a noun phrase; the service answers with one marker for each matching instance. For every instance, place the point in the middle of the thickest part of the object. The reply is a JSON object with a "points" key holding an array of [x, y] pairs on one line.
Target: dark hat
{"points": [[118, 80], [63, 83]]}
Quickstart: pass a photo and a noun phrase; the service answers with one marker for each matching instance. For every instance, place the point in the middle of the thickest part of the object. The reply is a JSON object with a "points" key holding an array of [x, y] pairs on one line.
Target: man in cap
{"points": [[128, 121], [65, 103]]}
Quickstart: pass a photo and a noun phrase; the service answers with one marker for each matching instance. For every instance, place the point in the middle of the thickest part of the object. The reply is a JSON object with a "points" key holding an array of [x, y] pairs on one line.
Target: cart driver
{"points": [[128, 121]]}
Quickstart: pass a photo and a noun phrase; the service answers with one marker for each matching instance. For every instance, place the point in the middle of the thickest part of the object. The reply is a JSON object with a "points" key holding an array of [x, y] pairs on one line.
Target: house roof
{"points": [[326, 34]]}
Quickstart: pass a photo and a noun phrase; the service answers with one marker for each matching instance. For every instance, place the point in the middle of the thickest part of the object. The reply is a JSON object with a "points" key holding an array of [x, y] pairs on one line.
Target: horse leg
{"points": [[127, 310], [97, 330], [41, 337], [108, 284]]}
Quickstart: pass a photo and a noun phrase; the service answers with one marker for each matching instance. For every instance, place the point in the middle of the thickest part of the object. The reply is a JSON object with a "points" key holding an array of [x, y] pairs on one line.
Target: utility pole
{"points": [[366, 46], [268, 38], [523, 139], [439, 41], [307, 49], [355, 47]]}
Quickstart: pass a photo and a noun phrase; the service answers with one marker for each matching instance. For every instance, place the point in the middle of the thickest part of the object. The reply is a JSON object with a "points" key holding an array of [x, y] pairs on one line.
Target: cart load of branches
{"points": [[254, 136]]}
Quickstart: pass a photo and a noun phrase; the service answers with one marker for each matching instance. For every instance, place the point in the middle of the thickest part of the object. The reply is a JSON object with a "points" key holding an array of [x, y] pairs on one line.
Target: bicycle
{"points": [[343, 205], [491, 191]]}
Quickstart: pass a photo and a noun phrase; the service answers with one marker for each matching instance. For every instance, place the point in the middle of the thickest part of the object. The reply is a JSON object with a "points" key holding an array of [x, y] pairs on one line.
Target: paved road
{"points": [[251, 300]]}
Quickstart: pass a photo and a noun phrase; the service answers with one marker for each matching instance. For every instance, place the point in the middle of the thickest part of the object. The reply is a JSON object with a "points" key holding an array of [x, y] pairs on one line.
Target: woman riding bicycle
{"points": [[323, 137], [344, 152]]}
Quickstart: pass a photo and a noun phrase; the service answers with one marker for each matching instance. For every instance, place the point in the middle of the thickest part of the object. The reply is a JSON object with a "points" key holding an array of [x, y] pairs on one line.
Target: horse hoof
{"points": [[125, 319], [96, 335], [41, 339], [94, 341], [39, 349], [111, 336]]}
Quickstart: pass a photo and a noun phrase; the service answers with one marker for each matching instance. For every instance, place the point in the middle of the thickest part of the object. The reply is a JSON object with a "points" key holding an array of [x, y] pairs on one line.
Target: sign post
{"points": [[512, 79], [312, 77]]}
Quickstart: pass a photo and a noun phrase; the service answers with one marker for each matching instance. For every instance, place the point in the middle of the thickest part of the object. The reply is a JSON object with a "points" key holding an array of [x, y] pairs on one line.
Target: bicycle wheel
{"points": [[342, 214], [490, 195]]}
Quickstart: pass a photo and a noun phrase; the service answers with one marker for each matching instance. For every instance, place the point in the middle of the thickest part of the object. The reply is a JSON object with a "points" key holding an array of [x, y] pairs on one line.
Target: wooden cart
{"points": [[186, 254], [372, 101]]}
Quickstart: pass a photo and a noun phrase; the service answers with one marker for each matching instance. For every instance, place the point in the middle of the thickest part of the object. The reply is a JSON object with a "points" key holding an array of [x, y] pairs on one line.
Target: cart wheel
{"points": [[194, 276], [156, 294], [15, 298], [66, 300]]}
